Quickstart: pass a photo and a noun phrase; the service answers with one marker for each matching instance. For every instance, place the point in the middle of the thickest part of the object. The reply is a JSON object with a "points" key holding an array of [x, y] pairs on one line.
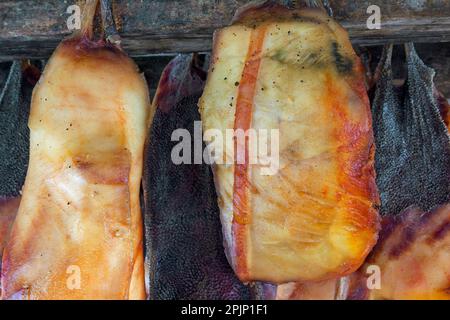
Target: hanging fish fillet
{"points": [[184, 243], [294, 71], [78, 232], [413, 258]]}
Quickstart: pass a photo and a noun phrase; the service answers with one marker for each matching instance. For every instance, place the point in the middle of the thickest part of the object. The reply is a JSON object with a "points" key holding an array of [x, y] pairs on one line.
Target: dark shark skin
{"points": [[15, 97], [412, 143], [185, 257]]}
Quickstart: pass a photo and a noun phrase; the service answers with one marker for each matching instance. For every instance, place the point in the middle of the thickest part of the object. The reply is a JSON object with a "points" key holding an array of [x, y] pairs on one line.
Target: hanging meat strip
{"points": [[314, 217], [78, 232]]}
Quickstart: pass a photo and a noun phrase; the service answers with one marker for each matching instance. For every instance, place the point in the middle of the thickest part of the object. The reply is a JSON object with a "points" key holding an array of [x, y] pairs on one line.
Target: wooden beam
{"points": [[33, 28]]}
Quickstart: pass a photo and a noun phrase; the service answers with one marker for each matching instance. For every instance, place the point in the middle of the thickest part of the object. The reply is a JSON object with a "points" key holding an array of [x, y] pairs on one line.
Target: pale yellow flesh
{"points": [[78, 232], [305, 225]]}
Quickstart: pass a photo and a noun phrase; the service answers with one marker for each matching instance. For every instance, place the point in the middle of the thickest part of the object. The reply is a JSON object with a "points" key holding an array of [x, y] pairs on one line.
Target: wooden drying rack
{"points": [[33, 28]]}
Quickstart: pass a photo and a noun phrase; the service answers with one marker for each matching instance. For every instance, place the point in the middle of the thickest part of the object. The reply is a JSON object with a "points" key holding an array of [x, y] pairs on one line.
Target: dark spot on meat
{"points": [[442, 231], [408, 237], [343, 64]]}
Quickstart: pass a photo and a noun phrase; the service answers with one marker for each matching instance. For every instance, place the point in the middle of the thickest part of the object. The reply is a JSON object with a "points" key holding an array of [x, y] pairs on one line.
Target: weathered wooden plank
{"points": [[32, 28]]}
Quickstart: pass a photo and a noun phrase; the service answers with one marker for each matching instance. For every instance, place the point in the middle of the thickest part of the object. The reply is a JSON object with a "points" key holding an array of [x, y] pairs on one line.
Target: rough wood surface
{"points": [[33, 28]]}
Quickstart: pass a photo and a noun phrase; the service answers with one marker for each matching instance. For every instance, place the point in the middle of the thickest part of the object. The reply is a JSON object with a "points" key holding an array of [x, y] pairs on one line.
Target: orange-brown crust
{"points": [[80, 205], [84, 50], [243, 121], [412, 256], [356, 158], [316, 218], [444, 107], [8, 211]]}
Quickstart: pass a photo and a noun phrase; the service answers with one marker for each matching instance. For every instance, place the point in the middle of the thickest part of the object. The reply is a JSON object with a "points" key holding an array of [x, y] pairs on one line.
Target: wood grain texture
{"points": [[33, 28]]}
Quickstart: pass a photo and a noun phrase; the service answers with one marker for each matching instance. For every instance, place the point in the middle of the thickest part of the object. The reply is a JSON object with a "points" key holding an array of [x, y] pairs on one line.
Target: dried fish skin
{"points": [[413, 146], [184, 245], [15, 97], [294, 71]]}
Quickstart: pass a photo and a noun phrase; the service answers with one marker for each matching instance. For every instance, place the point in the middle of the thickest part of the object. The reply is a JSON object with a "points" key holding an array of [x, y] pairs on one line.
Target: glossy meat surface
{"points": [[296, 72], [413, 250], [78, 232], [8, 212], [413, 257]]}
